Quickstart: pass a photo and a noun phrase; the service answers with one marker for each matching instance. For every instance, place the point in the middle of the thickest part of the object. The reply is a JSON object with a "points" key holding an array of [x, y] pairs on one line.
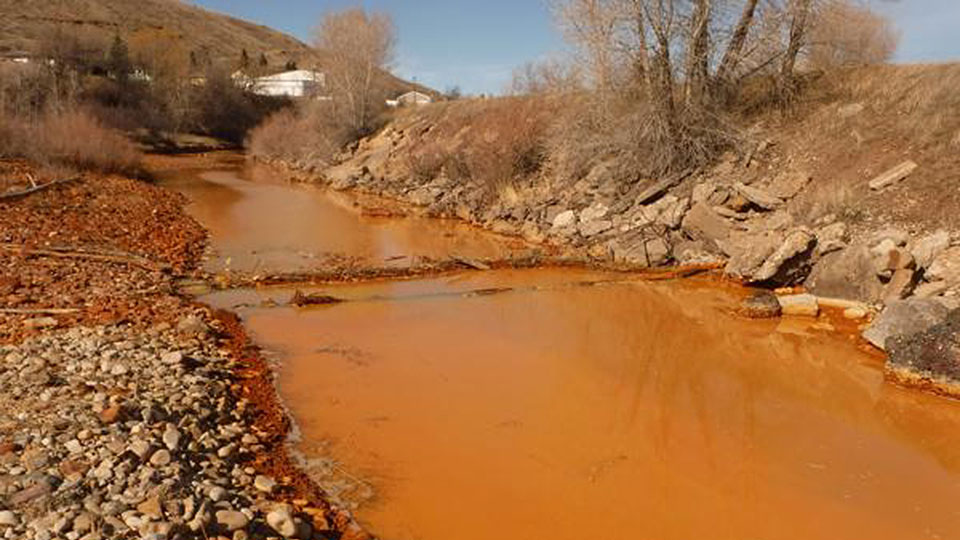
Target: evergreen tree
{"points": [[118, 61]]}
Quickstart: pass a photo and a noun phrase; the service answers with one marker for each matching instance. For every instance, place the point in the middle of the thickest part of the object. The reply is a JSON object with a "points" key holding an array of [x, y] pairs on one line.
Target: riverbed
{"points": [[568, 404]]}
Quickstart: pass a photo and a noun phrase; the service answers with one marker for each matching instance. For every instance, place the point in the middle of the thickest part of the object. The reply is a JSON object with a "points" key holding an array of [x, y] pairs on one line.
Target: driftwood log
{"points": [[118, 257], [35, 188]]}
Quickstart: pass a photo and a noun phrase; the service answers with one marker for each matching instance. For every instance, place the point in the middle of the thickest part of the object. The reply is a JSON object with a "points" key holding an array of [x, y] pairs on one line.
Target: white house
{"points": [[296, 84], [411, 98]]}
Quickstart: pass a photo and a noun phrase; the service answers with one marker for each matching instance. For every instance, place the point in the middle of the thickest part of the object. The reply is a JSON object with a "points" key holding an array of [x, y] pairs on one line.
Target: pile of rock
{"points": [[111, 433]]}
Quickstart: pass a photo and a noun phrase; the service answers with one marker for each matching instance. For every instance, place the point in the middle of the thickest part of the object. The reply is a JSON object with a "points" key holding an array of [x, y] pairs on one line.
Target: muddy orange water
{"points": [[621, 410], [259, 221], [563, 404]]}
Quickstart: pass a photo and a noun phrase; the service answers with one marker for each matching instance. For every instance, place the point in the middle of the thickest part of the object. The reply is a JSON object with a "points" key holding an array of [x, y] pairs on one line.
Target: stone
{"points": [[929, 290], [703, 223], [945, 267], [151, 507], [748, 252], [758, 196], [673, 214], [33, 492], [760, 305], [171, 437], [787, 186], [264, 483], [217, 494], [800, 305], [8, 519], [564, 219], [231, 520], [702, 192], [593, 228], [160, 458], [650, 252], [926, 249], [790, 263], [899, 237], [931, 354], [595, 211], [831, 238], [893, 176], [900, 285], [904, 317], [855, 313], [192, 325], [111, 414], [281, 520], [848, 273]]}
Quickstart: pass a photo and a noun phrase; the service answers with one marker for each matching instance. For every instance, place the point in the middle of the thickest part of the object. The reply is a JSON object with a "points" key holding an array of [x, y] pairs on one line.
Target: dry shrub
{"points": [[489, 142], [625, 134], [312, 133], [72, 139], [77, 139]]}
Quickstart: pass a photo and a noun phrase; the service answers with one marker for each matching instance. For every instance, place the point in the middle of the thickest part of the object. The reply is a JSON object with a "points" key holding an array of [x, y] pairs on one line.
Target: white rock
{"points": [[281, 521], [9, 519], [171, 437], [800, 304], [564, 219], [264, 483]]}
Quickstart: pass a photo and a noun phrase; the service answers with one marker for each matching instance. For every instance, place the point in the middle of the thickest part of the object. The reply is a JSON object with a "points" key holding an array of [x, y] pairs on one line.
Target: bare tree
{"points": [[357, 46]]}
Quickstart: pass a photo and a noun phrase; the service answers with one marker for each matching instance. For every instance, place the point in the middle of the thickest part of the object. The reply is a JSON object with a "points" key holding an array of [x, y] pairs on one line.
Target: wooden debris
{"points": [[35, 187], [301, 299], [894, 175]]}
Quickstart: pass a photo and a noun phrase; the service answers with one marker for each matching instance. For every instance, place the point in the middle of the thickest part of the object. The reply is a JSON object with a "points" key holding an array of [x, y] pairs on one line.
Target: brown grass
{"points": [[72, 139], [491, 143]]}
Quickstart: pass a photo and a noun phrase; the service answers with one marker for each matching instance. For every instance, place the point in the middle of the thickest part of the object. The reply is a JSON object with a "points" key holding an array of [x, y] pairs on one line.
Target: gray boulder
{"points": [[926, 250], [849, 273], [904, 318], [946, 267], [931, 354]]}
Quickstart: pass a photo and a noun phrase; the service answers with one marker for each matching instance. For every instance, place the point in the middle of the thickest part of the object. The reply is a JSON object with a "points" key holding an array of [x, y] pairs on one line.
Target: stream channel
{"points": [[563, 403]]}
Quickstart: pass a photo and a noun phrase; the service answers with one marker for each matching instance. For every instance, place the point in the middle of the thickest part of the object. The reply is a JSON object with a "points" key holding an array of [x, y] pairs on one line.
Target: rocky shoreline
{"points": [[127, 410], [756, 217]]}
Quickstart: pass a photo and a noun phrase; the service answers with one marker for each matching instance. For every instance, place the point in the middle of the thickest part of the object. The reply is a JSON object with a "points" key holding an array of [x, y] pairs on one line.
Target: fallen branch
{"points": [[36, 187], [67, 253], [51, 311]]}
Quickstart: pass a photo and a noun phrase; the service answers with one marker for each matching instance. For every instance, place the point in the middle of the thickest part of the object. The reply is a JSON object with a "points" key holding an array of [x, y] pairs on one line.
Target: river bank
{"points": [[129, 410]]}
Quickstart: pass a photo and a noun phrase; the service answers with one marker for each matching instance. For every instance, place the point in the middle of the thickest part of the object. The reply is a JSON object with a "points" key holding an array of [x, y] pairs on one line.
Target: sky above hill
{"points": [[476, 45]]}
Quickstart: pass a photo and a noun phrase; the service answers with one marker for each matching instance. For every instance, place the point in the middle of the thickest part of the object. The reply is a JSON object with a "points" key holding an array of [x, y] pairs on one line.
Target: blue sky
{"points": [[476, 44]]}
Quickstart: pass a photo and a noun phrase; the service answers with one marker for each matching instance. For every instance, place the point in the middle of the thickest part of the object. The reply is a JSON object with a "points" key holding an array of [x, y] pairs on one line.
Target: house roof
{"points": [[295, 75]]}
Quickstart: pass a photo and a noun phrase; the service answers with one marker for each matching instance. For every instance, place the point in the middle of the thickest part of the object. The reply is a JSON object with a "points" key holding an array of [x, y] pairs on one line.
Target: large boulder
{"points": [[904, 318], [931, 355], [849, 273], [771, 258], [758, 197]]}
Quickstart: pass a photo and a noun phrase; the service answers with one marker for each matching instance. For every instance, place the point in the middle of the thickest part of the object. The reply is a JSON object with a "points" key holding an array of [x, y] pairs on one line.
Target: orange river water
{"points": [[567, 404]]}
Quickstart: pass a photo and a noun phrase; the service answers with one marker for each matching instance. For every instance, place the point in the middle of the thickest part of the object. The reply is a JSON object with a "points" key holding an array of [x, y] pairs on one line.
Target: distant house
{"points": [[412, 98], [15, 57], [295, 84]]}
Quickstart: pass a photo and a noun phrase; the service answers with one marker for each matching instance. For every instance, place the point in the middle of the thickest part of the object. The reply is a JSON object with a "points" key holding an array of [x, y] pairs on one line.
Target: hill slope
{"points": [[24, 26]]}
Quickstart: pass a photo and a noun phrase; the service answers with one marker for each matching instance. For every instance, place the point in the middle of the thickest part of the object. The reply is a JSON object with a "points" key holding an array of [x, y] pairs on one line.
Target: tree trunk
{"points": [[698, 53], [732, 56], [798, 29]]}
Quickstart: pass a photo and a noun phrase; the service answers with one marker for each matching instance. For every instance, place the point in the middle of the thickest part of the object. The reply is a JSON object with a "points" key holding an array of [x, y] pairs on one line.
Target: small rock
{"points": [[800, 304], [9, 519], [855, 313], [111, 414], [231, 520], [564, 219], [217, 494], [160, 458], [760, 305], [703, 223], [595, 211], [264, 483], [927, 249], [758, 197], [281, 521], [593, 228], [171, 437]]}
